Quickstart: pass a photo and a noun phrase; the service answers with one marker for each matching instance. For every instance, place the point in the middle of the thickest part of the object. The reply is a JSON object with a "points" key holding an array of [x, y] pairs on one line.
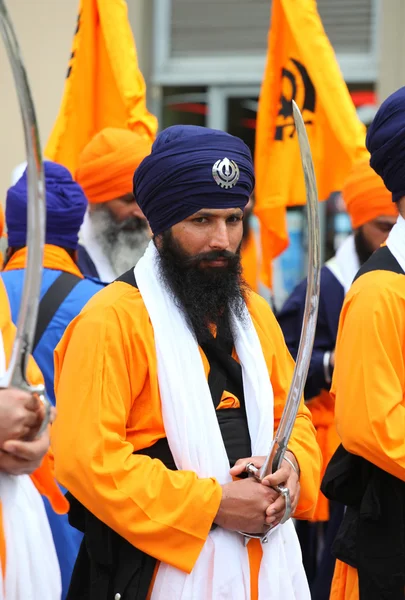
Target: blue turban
{"points": [[386, 143], [65, 208], [185, 171]]}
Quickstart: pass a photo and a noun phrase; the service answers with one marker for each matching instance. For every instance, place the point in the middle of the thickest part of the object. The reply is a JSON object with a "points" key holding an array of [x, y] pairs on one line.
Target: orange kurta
{"points": [[369, 384], [42, 477], [168, 514]]}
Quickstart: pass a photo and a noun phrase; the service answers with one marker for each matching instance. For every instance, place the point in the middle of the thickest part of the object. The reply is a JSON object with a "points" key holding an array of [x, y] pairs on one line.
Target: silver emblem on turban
{"points": [[226, 173]]}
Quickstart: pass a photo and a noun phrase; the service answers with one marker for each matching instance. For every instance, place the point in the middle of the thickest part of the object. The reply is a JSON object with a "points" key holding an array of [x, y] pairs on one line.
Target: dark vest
{"points": [[107, 564], [372, 534], [85, 263]]}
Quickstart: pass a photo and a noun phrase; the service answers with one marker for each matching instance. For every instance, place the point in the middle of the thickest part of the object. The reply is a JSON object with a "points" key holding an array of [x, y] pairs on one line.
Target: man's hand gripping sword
{"points": [[16, 374], [279, 445]]}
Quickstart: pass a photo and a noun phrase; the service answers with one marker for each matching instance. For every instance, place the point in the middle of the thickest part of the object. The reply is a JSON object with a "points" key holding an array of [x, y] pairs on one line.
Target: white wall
{"points": [[45, 31], [391, 72]]}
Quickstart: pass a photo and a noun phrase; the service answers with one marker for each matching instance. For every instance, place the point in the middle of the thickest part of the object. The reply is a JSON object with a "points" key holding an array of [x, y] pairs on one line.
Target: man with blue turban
{"points": [[183, 375], [367, 472], [64, 292]]}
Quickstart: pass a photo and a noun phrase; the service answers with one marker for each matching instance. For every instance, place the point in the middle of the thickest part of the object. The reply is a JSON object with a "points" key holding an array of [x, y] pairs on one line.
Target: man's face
{"points": [[126, 211], [200, 262], [210, 231], [375, 232], [122, 231]]}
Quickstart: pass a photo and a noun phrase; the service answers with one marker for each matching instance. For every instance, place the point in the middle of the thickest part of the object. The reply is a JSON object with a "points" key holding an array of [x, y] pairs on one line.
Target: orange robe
{"points": [[369, 385], [42, 477], [106, 361]]}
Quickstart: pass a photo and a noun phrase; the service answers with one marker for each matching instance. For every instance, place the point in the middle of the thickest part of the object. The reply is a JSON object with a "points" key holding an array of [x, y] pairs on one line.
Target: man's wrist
{"points": [[292, 459]]}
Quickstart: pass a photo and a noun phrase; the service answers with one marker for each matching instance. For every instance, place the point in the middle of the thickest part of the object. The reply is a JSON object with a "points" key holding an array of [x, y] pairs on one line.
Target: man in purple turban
{"points": [[187, 375], [64, 292]]}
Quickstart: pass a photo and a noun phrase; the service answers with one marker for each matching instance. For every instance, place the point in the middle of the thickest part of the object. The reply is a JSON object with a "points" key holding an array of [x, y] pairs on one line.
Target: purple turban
{"points": [[191, 168], [65, 208], [386, 143]]}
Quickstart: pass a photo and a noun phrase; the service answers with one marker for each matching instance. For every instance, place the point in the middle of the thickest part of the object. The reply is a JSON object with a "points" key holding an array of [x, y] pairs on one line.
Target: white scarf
{"points": [[345, 264], [194, 437], [396, 241], [32, 568], [95, 251]]}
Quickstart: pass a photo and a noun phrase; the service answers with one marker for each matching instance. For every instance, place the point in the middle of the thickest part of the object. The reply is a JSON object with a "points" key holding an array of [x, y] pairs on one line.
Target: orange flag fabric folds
{"points": [[301, 66], [104, 86]]}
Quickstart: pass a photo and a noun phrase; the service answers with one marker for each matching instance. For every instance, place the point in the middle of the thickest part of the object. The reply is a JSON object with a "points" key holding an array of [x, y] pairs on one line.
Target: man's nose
{"points": [[136, 211], [220, 237]]}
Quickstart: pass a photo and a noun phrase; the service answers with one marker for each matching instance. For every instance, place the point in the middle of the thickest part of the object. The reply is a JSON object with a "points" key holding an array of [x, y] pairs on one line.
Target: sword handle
{"points": [[283, 491], [253, 471], [43, 398], [37, 390]]}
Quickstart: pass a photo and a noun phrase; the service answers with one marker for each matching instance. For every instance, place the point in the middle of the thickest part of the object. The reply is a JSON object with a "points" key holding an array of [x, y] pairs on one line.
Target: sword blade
{"points": [[283, 434], [15, 375]]}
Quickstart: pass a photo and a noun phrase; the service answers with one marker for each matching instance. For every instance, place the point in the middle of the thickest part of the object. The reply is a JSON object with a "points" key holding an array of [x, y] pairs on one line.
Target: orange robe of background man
{"points": [[369, 385], [168, 514]]}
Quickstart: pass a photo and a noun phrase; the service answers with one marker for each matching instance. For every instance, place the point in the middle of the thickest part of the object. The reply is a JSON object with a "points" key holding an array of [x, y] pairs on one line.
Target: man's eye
{"points": [[200, 220], [234, 219]]}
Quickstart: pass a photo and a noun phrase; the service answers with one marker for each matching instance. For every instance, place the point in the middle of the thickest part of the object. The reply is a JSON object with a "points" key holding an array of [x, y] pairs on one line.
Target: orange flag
{"points": [[301, 66], [104, 86]]}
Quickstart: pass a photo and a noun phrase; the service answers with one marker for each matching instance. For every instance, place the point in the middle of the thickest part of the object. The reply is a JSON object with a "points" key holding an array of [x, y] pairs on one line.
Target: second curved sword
{"points": [[281, 439]]}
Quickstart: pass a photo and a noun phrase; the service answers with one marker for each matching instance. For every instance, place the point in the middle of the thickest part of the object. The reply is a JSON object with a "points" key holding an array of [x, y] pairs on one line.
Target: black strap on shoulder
{"points": [[52, 300], [128, 277], [381, 260]]}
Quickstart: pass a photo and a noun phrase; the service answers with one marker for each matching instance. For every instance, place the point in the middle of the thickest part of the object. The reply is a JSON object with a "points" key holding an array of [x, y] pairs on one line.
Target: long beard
{"points": [[207, 296], [123, 243], [363, 248]]}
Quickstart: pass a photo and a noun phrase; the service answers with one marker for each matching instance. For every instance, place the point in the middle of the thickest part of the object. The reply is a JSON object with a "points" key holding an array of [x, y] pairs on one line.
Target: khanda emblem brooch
{"points": [[226, 173]]}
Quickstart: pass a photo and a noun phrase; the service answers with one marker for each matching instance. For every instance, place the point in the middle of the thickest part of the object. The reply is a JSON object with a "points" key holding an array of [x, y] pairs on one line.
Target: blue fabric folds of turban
{"points": [[176, 179], [65, 208], [386, 143]]}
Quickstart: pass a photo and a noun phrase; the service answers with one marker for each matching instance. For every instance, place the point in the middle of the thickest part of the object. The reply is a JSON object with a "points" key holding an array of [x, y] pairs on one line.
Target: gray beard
{"points": [[123, 248]]}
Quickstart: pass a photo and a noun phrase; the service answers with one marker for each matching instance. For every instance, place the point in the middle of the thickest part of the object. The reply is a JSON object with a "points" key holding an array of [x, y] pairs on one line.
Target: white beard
{"points": [[123, 248]]}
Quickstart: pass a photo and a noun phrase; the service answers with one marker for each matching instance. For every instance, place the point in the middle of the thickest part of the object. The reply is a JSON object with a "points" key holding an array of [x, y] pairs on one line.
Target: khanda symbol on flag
{"points": [[301, 66], [298, 87], [15, 375]]}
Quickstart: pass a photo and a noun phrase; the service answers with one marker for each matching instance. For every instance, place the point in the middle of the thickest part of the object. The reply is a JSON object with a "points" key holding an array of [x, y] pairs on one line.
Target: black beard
{"points": [[363, 248], [207, 296]]}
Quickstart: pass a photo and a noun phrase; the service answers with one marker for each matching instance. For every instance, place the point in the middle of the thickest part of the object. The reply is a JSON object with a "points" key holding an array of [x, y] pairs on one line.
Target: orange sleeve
{"points": [[369, 377], [303, 439], [100, 370]]}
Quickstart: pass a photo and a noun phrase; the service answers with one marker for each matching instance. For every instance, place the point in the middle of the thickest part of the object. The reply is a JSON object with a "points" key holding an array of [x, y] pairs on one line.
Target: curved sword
{"points": [[280, 442], [15, 375]]}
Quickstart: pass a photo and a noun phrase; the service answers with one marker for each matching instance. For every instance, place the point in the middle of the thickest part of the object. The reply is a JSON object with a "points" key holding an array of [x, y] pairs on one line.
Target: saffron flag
{"points": [[104, 86], [301, 66]]}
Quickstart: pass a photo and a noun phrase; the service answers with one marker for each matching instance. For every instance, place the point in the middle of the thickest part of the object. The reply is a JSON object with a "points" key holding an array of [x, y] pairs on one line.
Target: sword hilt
{"points": [[36, 390], [283, 491]]}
